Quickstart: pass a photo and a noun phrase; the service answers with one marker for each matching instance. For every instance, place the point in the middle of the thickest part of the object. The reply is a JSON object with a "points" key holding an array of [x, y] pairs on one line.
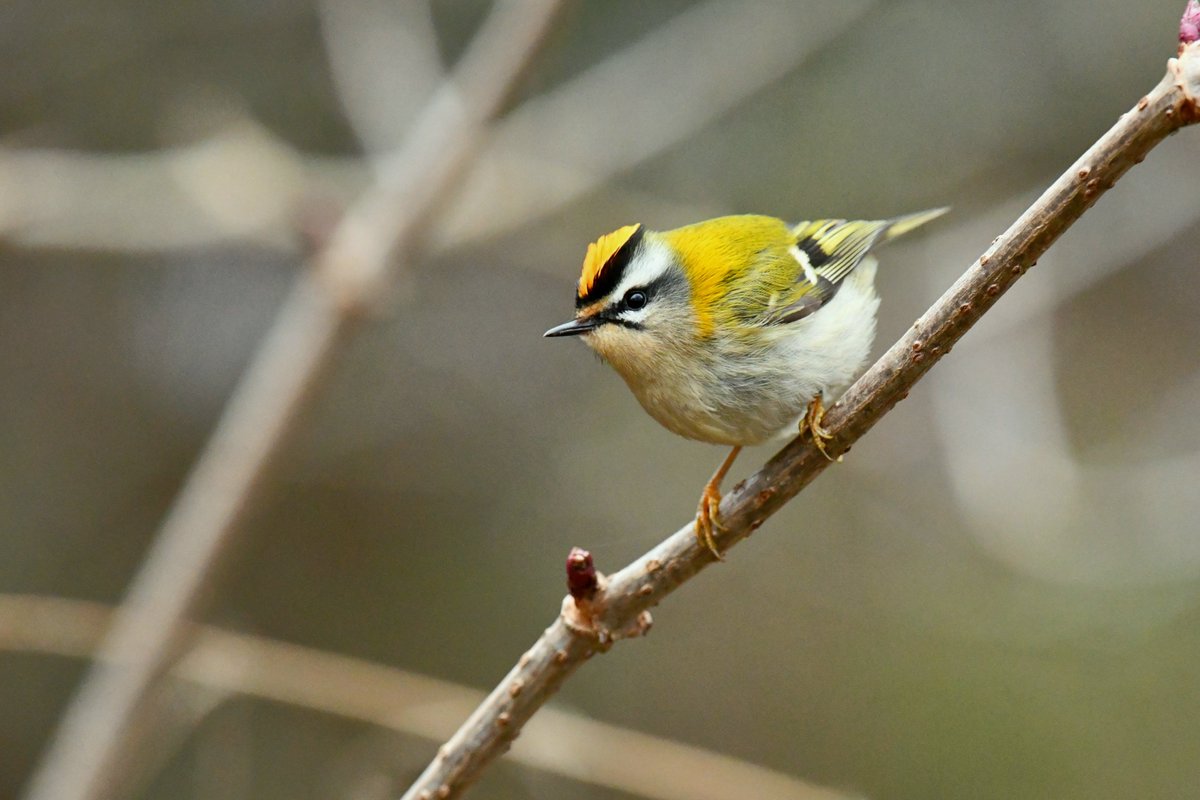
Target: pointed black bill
{"points": [[573, 328]]}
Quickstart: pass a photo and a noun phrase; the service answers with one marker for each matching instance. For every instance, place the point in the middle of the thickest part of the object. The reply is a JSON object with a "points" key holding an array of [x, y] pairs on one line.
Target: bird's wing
{"points": [[825, 252]]}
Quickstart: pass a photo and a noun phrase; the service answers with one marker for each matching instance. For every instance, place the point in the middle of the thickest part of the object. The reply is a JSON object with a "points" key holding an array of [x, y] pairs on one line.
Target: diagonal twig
{"points": [[620, 606], [360, 262]]}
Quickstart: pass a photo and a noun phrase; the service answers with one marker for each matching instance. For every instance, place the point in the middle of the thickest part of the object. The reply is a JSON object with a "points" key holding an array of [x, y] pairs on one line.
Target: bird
{"points": [[735, 330]]}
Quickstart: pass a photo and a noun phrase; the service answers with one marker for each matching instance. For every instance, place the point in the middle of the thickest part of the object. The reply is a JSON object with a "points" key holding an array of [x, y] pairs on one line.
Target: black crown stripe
{"points": [[610, 274]]}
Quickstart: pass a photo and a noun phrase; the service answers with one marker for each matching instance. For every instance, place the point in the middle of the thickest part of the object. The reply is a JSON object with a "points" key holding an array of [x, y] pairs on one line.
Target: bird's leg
{"points": [[811, 423], [708, 522]]}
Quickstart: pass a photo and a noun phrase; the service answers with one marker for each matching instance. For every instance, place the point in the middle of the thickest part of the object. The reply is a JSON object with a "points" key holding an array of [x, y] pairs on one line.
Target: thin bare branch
{"points": [[221, 663], [1165, 183], [364, 254], [621, 608]]}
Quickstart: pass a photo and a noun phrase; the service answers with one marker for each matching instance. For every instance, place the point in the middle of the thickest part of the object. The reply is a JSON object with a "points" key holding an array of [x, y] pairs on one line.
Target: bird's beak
{"points": [[574, 327]]}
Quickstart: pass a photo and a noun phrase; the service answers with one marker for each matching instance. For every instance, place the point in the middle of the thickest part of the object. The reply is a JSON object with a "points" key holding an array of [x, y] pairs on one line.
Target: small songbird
{"points": [[737, 329]]}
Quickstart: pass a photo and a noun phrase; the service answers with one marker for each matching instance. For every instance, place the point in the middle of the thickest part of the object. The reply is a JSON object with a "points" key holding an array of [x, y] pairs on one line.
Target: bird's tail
{"points": [[902, 225]]}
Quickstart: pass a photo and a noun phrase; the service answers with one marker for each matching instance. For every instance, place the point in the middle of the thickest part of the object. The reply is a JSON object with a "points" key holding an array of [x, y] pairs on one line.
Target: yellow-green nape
{"points": [[719, 256], [601, 265]]}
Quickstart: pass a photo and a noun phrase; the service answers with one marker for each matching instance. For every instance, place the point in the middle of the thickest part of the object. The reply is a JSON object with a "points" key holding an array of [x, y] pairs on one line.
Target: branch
{"points": [[619, 605], [360, 263]]}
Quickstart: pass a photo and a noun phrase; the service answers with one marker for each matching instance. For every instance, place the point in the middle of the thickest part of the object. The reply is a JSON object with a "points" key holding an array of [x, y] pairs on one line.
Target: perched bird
{"points": [[736, 329]]}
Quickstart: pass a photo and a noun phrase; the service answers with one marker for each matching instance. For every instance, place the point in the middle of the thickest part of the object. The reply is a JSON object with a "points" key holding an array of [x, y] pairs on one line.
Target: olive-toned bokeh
{"points": [[997, 595]]}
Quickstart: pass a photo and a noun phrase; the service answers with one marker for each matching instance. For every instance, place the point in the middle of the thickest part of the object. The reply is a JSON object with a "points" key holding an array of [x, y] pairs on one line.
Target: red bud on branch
{"points": [[581, 574]]}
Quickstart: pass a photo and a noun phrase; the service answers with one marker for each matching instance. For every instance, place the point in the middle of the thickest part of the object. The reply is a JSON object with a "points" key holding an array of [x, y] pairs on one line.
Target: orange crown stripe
{"points": [[600, 252]]}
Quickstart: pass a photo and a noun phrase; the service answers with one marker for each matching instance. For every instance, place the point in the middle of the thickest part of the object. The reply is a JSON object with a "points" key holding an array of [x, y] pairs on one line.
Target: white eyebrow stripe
{"points": [[810, 274], [651, 262]]}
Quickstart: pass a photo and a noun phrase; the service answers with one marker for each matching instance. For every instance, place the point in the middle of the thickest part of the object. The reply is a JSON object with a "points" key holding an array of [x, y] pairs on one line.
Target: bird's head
{"points": [[633, 297]]}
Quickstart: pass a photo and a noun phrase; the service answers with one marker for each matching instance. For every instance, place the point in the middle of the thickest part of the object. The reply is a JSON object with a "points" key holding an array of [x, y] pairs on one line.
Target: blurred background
{"points": [[997, 594]]}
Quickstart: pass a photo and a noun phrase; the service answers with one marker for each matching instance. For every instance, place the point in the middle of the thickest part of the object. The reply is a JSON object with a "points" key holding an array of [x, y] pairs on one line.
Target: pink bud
{"points": [[1189, 25]]}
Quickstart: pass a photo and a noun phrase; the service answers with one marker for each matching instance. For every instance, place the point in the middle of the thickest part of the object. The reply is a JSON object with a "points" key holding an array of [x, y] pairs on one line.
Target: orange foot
{"points": [[811, 423], [708, 523]]}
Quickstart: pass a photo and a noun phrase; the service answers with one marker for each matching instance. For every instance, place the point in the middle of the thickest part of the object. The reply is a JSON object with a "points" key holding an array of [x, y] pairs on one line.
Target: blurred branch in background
{"points": [[220, 664], [366, 252], [241, 184], [721, 56], [385, 64], [244, 184], [617, 607], [169, 719]]}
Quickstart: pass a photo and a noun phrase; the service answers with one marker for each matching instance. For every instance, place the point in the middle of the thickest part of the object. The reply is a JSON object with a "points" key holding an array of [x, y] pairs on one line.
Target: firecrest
{"points": [[737, 329]]}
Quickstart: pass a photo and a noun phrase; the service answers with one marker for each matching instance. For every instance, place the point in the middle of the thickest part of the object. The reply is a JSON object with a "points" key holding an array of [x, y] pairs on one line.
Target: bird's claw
{"points": [[708, 523], [810, 423]]}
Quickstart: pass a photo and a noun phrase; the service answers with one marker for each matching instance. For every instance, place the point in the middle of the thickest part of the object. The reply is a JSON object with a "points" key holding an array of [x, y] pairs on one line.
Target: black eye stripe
{"points": [[665, 285], [610, 274]]}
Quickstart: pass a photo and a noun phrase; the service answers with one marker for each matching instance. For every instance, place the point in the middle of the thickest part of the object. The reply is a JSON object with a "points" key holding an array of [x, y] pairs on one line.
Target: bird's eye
{"points": [[635, 299]]}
